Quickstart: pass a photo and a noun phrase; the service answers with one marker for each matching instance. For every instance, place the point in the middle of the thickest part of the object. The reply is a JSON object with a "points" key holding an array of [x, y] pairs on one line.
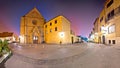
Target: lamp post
{"points": [[61, 36]]}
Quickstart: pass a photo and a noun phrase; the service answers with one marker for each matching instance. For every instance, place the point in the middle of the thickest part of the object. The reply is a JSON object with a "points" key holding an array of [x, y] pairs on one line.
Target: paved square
{"points": [[87, 55]]}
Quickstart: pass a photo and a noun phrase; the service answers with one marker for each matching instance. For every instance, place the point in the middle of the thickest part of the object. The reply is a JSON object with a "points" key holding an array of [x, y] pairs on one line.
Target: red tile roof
{"points": [[6, 34]]}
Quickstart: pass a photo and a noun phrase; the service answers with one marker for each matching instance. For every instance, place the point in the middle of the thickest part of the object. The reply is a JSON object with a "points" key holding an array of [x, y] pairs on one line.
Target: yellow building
{"points": [[32, 27], [57, 30]]}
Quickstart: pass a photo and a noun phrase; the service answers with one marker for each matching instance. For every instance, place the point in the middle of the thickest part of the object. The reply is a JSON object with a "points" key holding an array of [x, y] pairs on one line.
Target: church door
{"points": [[35, 39]]}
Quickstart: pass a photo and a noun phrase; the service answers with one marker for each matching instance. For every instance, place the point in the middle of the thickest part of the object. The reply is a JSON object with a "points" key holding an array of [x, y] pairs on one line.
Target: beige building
{"points": [[112, 9], [34, 29], [96, 31], [74, 38], [109, 21], [112, 14]]}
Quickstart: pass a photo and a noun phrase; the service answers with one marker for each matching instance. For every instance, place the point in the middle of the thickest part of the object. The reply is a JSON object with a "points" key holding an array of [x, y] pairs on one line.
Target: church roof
{"points": [[33, 12]]}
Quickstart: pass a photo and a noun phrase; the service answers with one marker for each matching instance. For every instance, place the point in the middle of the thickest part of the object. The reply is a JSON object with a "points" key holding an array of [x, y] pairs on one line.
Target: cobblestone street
{"points": [[87, 55]]}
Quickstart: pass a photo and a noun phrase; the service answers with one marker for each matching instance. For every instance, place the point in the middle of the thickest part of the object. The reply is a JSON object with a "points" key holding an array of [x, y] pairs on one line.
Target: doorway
{"points": [[35, 39], [103, 39], [72, 39]]}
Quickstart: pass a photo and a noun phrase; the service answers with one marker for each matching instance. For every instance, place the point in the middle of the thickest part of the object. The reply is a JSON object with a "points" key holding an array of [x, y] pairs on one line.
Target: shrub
{"points": [[4, 47]]}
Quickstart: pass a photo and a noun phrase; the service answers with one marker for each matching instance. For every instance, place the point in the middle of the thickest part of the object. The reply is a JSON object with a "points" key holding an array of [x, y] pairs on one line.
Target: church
{"points": [[35, 30]]}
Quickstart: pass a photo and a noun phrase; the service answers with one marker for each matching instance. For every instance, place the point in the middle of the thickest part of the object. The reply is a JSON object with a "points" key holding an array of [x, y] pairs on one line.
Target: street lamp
{"points": [[61, 34]]}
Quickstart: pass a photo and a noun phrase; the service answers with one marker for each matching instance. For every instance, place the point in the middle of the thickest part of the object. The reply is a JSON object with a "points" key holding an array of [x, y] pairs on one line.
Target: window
{"points": [[45, 26], [110, 15], [111, 29], [50, 24], [113, 41], [55, 21], [101, 19], [55, 28], [35, 37], [110, 3], [34, 22], [109, 41]]}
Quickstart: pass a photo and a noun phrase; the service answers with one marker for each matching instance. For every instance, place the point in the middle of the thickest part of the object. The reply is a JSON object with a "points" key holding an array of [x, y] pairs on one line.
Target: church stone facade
{"points": [[32, 27]]}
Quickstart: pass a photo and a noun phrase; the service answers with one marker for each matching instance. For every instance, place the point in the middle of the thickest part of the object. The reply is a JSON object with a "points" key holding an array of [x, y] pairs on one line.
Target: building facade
{"points": [[96, 31], [109, 21], [34, 29], [57, 30], [112, 10]]}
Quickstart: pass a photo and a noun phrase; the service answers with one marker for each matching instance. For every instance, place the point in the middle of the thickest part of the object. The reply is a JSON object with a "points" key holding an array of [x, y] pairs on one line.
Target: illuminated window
{"points": [[35, 38], [55, 21], [111, 29], [55, 28]]}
